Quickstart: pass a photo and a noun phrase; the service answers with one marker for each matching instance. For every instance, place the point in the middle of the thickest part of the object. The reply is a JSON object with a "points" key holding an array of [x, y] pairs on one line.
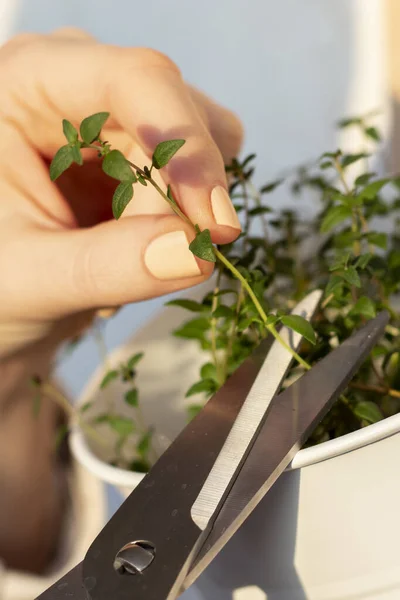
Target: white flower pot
{"points": [[329, 529]]}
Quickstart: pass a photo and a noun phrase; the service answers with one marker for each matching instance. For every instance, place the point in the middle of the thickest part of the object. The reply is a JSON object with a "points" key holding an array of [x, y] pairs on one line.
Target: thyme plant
{"points": [[267, 270]]}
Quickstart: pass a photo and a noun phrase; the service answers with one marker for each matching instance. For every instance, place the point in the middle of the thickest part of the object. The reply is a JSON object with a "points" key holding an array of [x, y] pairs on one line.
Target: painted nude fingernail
{"points": [[169, 257], [223, 209]]}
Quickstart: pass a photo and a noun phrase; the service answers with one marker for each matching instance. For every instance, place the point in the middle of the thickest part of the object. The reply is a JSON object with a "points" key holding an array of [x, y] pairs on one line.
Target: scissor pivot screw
{"points": [[135, 557]]}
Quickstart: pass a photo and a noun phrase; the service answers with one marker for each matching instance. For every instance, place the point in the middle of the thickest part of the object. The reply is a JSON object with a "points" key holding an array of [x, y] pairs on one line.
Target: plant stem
{"points": [[259, 308], [54, 394], [376, 388], [213, 330]]}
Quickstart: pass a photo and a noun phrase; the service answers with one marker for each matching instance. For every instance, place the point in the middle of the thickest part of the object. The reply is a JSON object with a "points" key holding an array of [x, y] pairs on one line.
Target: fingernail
{"points": [[169, 257], [223, 209]]}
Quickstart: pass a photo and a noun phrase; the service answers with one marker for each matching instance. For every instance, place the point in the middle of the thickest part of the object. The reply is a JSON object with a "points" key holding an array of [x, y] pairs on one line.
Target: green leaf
{"points": [[70, 132], [372, 189], [377, 239], [191, 305], [121, 425], [139, 466], [121, 198], [205, 385], [368, 411], [270, 187], [301, 325], [208, 371], [364, 178], [334, 216], [373, 133], [132, 397], [363, 260], [365, 307], [143, 446], [77, 154], [349, 121], [108, 377], [62, 432], [91, 126], [193, 410], [326, 164], [259, 210], [349, 159], [86, 406], [133, 361], [170, 196], [165, 151], [202, 246], [62, 160], [351, 276], [141, 179], [193, 329], [223, 311], [116, 166]]}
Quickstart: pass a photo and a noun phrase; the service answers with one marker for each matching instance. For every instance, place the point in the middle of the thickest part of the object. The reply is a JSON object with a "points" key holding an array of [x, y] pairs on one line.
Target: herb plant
{"points": [[267, 270]]}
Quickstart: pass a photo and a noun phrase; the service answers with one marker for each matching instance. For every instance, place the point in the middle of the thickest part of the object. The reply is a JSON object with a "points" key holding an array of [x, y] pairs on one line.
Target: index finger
{"points": [[146, 96]]}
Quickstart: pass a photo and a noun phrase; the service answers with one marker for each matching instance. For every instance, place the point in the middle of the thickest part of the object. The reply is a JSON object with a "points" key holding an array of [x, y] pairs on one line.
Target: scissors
{"points": [[214, 474]]}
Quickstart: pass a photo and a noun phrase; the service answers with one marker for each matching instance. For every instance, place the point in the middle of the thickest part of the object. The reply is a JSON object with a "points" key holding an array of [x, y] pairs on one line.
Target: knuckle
{"points": [[72, 32], [147, 58]]}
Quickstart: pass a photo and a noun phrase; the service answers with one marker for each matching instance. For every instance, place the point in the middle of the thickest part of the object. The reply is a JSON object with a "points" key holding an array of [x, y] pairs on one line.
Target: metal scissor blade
{"points": [[70, 586], [291, 419], [156, 510]]}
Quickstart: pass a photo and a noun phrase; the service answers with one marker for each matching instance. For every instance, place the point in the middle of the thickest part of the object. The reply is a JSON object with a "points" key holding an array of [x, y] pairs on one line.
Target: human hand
{"points": [[61, 253]]}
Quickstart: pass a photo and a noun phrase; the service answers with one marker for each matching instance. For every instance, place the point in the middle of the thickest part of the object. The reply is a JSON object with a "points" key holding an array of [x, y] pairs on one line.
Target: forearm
{"points": [[31, 494]]}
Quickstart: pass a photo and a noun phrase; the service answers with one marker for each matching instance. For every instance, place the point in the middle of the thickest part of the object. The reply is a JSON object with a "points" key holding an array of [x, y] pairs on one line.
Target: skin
{"points": [[62, 256]]}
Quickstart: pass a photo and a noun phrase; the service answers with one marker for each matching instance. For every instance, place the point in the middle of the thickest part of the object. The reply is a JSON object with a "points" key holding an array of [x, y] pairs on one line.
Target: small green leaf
{"points": [[70, 132], [208, 371], [62, 432], [170, 196], [365, 307], [334, 216], [351, 276], [349, 159], [223, 311], [77, 155], [259, 210], [85, 406], [191, 305], [205, 385], [121, 425], [202, 246], [139, 466], [364, 178], [372, 189], [301, 325], [193, 411], [91, 126], [270, 187], [377, 239], [326, 164], [108, 377], [193, 329], [133, 361], [335, 281], [373, 133], [62, 160], [132, 397], [116, 166], [343, 123], [121, 198], [363, 260], [368, 411], [165, 151], [141, 179], [143, 446]]}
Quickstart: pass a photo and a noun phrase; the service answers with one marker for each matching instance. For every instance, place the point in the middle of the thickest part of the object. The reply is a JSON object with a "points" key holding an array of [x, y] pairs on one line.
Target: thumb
{"points": [[110, 264]]}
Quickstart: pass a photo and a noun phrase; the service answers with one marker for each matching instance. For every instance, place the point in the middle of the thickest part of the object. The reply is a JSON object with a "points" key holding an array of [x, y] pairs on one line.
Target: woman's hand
{"points": [[61, 253]]}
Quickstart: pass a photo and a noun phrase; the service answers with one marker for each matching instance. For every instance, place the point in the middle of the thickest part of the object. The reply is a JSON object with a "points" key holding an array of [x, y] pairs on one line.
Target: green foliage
{"points": [[91, 126], [70, 132], [132, 397], [202, 246], [300, 325], [121, 198], [116, 166], [62, 160], [108, 378], [165, 151]]}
